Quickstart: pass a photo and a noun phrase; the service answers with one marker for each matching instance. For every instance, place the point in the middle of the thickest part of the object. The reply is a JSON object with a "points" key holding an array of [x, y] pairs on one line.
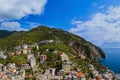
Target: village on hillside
{"points": [[31, 70]]}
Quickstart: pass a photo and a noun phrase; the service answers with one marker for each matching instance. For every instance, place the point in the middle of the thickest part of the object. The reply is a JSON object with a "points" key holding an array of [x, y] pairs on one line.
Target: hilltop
{"points": [[73, 43]]}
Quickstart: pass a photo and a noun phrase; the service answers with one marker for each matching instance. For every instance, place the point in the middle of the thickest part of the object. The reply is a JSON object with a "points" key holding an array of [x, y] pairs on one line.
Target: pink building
{"points": [[43, 58]]}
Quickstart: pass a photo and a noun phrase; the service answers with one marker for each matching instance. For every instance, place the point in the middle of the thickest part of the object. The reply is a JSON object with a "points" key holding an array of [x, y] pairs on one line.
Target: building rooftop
{"points": [[80, 74]]}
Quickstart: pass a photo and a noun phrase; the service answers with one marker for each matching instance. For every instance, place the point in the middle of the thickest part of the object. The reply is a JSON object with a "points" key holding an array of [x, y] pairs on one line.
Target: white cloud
{"points": [[102, 28], [31, 25], [17, 9], [11, 26]]}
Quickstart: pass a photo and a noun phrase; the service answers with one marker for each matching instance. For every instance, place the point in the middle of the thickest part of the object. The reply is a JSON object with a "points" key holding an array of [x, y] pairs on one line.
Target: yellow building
{"points": [[66, 67], [64, 57]]}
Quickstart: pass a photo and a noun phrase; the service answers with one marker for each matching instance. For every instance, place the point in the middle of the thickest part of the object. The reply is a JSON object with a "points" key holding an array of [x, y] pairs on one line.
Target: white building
{"points": [[2, 56], [17, 47], [25, 51], [31, 59], [32, 62], [50, 71], [24, 46]]}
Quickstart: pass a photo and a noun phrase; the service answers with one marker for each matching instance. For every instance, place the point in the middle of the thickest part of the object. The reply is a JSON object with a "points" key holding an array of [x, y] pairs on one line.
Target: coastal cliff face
{"points": [[72, 43]]}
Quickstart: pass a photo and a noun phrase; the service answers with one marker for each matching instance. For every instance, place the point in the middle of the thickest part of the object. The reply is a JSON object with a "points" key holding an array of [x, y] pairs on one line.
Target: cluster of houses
{"points": [[108, 75], [10, 72], [66, 73], [24, 49]]}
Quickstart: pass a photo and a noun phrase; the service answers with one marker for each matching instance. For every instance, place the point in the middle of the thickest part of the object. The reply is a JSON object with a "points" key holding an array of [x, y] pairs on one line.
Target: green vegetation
{"points": [[68, 41], [19, 59], [2, 61], [64, 41], [53, 46], [11, 41], [4, 33], [28, 71]]}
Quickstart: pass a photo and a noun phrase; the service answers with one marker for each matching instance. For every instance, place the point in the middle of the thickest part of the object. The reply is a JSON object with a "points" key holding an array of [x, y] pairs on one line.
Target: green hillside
{"points": [[63, 40]]}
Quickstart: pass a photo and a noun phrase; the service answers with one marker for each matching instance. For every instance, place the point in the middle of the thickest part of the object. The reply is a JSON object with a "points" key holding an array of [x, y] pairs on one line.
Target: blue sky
{"points": [[98, 21]]}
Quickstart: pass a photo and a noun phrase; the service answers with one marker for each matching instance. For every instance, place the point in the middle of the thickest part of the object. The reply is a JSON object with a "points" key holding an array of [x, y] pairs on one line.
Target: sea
{"points": [[112, 60]]}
